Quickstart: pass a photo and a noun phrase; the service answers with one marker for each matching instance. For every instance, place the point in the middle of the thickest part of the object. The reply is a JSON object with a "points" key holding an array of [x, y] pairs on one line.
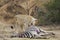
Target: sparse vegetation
{"points": [[54, 11], [52, 16]]}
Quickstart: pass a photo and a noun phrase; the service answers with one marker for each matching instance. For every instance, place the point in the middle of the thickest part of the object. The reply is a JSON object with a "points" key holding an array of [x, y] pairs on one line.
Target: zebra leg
{"points": [[40, 37], [46, 35]]}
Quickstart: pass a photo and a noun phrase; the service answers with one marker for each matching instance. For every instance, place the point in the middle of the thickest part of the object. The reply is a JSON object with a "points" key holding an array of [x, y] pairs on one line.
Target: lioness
{"points": [[24, 21]]}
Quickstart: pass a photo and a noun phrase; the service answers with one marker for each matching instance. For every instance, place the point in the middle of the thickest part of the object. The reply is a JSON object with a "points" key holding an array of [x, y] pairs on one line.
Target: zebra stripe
{"points": [[25, 35]]}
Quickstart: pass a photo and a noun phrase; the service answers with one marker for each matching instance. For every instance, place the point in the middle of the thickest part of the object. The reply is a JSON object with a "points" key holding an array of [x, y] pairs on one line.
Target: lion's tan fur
{"points": [[23, 21], [19, 22]]}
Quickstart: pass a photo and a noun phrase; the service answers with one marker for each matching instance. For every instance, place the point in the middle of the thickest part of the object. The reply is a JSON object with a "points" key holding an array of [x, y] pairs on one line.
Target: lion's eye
{"points": [[12, 27]]}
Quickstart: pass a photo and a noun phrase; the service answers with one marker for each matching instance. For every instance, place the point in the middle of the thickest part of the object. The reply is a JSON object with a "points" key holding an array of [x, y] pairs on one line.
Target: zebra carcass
{"points": [[39, 33], [34, 32]]}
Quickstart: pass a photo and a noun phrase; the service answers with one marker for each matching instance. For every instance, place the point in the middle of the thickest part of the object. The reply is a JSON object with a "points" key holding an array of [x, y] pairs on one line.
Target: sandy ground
{"points": [[57, 32], [57, 36]]}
